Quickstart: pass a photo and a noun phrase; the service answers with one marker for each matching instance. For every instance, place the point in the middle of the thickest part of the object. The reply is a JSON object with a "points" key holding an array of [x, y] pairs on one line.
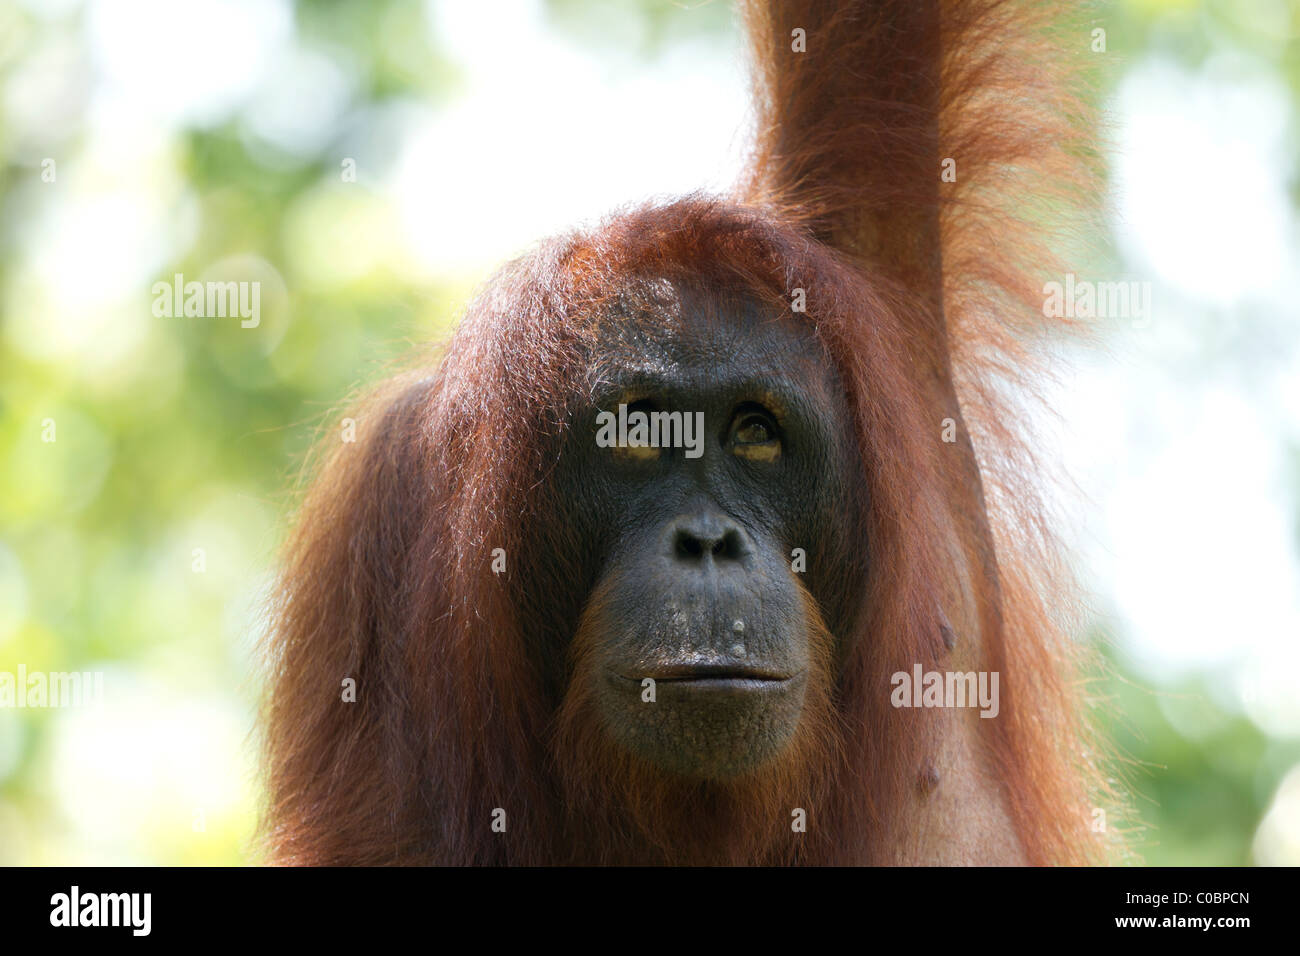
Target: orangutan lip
{"points": [[714, 674]]}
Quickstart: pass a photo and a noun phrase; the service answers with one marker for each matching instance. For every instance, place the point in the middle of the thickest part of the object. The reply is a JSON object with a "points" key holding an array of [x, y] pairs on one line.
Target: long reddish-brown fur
{"points": [[918, 290]]}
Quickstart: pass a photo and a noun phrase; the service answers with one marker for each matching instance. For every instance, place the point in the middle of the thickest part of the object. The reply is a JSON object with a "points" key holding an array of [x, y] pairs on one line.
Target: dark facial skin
{"points": [[688, 559]]}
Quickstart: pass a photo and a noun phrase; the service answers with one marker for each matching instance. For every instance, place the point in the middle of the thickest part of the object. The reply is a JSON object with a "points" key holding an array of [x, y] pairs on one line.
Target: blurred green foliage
{"points": [[1200, 775]]}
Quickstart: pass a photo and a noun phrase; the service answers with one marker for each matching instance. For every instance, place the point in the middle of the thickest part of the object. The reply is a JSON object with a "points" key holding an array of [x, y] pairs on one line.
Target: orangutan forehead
{"points": [[742, 347], [769, 347], [658, 326]]}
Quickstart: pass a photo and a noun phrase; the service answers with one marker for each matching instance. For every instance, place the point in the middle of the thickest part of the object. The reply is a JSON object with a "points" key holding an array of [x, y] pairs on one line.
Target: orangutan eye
{"points": [[753, 431], [754, 436], [638, 452]]}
